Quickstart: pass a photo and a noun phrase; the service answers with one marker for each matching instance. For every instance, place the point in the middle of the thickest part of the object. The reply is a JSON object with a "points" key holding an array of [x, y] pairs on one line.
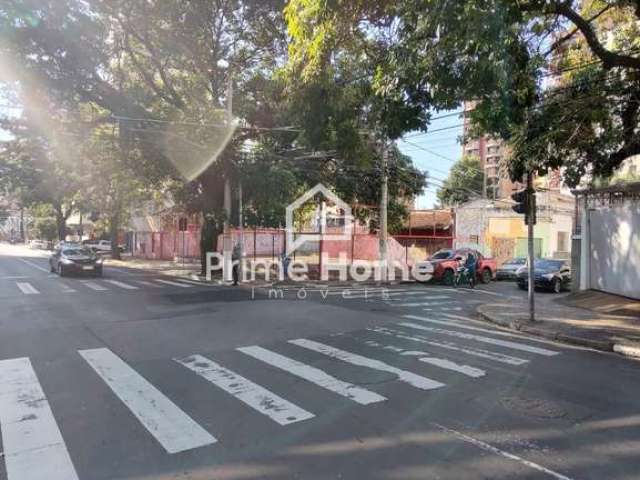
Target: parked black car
{"points": [[554, 275], [507, 271], [77, 259]]}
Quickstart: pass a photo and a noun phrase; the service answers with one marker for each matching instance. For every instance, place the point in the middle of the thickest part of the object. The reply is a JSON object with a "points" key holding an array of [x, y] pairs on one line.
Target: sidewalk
{"points": [[590, 319], [163, 267]]}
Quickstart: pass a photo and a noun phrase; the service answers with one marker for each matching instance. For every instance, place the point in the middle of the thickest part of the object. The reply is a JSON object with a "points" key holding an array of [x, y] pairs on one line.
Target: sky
{"points": [[444, 151]]}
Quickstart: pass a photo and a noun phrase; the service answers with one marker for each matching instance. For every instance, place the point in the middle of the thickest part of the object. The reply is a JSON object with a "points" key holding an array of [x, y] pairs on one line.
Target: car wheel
{"points": [[60, 270], [448, 277], [486, 275], [557, 286]]}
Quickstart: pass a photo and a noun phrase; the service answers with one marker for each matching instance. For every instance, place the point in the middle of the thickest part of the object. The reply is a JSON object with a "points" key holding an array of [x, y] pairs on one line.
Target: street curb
{"points": [[602, 345]]}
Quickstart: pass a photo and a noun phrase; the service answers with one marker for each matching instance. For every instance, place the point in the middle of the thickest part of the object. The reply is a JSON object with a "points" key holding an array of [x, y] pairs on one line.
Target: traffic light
{"points": [[522, 199]]}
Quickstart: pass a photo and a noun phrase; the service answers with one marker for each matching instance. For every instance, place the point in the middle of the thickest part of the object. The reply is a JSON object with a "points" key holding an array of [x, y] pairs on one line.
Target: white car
{"points": [[100, 245], [39, 244]]}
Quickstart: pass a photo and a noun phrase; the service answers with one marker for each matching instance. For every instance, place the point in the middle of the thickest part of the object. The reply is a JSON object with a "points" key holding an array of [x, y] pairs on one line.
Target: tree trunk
{"points": [[61, 222], [113, 235]]}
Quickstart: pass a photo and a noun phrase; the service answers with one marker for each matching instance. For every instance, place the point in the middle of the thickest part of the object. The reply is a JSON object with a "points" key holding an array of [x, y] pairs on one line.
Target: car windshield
{"points": [[442, 255], [77, 251], [548, 264]]}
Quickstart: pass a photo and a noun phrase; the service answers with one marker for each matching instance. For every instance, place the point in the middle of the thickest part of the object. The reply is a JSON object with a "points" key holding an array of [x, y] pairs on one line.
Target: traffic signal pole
{"points": [[530, 217]]}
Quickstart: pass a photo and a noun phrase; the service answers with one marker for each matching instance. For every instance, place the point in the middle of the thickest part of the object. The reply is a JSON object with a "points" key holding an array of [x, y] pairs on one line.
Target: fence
{"points": [[166, 245]]}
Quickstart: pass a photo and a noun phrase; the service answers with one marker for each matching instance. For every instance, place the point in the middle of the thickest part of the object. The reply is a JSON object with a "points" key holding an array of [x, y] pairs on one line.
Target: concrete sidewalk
{"points": [[164, 267], [591, 319]]}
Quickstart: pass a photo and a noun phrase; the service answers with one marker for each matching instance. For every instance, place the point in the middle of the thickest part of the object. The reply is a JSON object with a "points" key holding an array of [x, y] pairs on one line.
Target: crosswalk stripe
{"points": [[313, 375], [175, 284], [460, 321], [435, 361], [418, 304], [442, 309], [148, 284], [27, 288], [467, 370], [476, 352], [479, 338], [412, 379], [94, 286], [67, 289], [255, 396], [162, 418], [35, 265], [126, 286], [33, 445]]}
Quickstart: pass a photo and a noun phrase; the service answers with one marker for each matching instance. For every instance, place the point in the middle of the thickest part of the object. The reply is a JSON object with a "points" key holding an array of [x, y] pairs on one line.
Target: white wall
{"points": [[614, 253]]}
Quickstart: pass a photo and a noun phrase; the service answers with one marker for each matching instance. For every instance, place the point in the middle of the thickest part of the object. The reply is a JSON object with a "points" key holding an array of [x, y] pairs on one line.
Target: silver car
{"points": [[507, 271]]}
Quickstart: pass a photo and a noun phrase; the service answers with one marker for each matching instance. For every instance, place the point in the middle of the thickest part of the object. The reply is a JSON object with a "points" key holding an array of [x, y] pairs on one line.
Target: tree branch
{"points": [[609, 59]]}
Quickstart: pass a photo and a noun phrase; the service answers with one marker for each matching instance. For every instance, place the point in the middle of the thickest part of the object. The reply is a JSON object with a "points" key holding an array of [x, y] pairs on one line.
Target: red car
{"points": [[446, 261]]}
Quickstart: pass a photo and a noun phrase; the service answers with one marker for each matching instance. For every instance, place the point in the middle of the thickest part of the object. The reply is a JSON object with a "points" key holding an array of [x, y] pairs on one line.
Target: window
{"points": [[563, 244]]}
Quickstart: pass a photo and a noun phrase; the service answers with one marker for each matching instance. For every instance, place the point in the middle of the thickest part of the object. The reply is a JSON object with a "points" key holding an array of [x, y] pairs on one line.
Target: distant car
{"points": [[507, 271], [102, 246], [75, 259], [39, 244], [445, 264], [549, 274]]}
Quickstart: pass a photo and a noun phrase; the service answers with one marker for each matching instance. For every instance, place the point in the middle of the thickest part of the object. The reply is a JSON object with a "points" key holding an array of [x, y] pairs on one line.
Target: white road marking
{"points": [[490, 448], [195, 282], [252, 394], [163, 419], [437, 304], [476, 352], [14, 277], [417, 304], [478, 290], [94, 286], [67, 288], [33, 445], [427, 358], [412, 379], [148, 284], [126, 286], [175, 284], [35, 265], [467, 370], [480, 338], [27, 288], [479, 329], [313, 375], [442, 309]]}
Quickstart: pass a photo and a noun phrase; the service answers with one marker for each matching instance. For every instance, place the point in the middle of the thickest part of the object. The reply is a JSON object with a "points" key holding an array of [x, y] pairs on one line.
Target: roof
{"points": [[419, 219]]}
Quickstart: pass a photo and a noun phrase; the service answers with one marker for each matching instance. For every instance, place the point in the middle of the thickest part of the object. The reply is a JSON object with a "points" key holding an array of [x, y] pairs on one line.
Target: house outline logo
{"points": [[292, 243]]}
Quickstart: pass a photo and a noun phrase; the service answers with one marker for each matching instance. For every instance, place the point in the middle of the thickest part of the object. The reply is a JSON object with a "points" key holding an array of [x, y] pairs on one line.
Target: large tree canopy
{"points": [[501, 54]]}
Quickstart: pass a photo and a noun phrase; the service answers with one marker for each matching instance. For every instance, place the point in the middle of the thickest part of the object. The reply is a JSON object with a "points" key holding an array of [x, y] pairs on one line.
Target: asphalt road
{"points": [[139, 376]]}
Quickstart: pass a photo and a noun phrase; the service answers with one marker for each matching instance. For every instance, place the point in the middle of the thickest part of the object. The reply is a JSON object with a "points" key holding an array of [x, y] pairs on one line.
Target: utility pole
{"points": [[384, 201], [531, 219], [241, 226], [227, 249]]}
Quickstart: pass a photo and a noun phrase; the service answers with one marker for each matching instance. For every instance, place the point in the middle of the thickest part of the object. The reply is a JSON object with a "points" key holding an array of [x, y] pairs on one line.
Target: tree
{"points": [[497, 53], [464, 182]]}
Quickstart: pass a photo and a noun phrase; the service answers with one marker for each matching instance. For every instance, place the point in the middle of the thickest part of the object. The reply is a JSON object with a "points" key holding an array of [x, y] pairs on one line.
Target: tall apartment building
{"points": [[490, 151]]}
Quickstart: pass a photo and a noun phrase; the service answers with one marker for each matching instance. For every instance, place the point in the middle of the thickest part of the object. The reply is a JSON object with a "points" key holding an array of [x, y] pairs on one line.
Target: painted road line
{"points": [[27, 288], [33, 445], [479, 338], [94, 286], [252, 394], [442, 309], [313, 375], [416, 304], [467, 370], [174, 284], [476, 352], [168, 424], [67, 288], [148, 284], [466, 326], [490, 448], [126, 286], [14, 277], [35, 265], [412, 379], [427, 358]]}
